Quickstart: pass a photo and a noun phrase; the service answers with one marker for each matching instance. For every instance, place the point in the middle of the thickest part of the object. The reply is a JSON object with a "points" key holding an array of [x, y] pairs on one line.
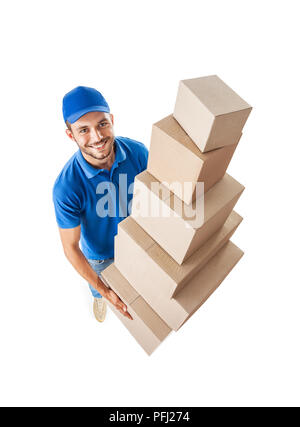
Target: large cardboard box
{"points": [[174, 159], [210, 112], [158, 273], [175, 311], [178, 228], [147, 327]]}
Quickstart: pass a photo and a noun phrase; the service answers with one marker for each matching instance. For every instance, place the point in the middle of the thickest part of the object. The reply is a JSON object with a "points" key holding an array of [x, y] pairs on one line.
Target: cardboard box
{"points": [[147, 327], [178, 228], [155, 272], [175, 311], [174, 158], [210, 112]]}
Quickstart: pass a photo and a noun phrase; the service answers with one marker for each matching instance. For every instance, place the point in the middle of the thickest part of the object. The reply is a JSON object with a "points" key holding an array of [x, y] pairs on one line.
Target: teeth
{"points": [[99, 145]]}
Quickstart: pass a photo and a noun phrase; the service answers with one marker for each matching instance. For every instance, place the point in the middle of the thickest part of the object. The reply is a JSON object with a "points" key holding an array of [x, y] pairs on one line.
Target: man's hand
{"points": [[70, 240], [112, 297]]}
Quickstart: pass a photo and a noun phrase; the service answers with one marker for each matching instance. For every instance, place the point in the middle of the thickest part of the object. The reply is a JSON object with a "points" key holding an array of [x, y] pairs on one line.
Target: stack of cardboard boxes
{"points": [[174, 250]]}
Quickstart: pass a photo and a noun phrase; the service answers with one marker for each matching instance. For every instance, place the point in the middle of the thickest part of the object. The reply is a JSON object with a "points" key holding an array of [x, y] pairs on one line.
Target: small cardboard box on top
{"points": [[210, 112], [146, 327], [178, 228], [175, 158]]}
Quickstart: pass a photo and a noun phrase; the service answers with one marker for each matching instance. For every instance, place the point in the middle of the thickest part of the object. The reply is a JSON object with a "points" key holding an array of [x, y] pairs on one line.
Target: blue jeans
{"points": [[98, 265]]}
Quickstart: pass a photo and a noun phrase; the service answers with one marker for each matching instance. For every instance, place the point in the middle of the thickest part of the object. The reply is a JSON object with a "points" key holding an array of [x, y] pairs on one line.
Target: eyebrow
{"points": [[86, 126]]}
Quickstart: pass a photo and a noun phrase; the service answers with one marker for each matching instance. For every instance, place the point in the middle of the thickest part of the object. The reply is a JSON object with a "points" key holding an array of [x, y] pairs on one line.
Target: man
{"points": [[90, 182]]}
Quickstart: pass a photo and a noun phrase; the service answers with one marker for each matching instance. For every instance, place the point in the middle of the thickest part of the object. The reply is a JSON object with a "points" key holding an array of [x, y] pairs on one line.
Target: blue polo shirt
{"points": [[98, 199]]}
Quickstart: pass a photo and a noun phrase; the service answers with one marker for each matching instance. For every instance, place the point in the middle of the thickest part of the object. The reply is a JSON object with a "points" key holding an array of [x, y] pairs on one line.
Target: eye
{"points": [[103, 124], [83, 130]]}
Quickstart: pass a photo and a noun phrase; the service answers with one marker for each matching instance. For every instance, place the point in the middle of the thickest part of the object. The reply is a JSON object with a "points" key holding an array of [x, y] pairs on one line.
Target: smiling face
{"points": [[94, 135]]}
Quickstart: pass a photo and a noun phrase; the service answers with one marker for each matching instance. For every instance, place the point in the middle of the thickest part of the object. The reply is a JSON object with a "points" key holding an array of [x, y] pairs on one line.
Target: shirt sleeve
{"points": [[144, 157], [67, 208]]}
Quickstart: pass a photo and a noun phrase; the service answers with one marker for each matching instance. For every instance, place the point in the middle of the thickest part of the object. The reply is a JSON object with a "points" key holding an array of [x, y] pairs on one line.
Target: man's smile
{"points": [[99, 146]]}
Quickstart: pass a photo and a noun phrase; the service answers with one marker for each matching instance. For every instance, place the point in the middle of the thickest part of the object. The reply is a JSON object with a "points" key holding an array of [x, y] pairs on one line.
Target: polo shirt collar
{"points": [[90, 171]]}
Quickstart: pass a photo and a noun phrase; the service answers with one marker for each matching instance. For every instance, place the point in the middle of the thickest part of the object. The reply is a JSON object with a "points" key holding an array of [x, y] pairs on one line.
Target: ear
{"points": [[112, 118], [70, 134]]}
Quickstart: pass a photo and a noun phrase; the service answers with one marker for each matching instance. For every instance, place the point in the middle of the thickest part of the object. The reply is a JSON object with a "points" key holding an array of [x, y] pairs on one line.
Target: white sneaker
{"points": [[99, 309]]}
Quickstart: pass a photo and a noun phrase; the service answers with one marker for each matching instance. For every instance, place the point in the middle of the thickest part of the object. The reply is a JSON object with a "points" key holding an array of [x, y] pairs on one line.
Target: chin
{"points": [[105, 154]]}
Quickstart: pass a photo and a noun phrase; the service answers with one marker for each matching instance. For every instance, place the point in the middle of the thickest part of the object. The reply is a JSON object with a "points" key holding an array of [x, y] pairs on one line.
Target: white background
{"points": [[242, 347]]}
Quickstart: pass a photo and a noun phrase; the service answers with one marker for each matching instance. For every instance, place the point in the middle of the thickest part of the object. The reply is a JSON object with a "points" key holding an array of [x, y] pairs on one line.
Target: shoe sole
{"points": [[96, 313]]}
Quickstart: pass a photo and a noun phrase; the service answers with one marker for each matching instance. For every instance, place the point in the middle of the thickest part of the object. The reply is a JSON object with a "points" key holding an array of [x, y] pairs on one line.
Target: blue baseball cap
{"points": [[82, 100]]}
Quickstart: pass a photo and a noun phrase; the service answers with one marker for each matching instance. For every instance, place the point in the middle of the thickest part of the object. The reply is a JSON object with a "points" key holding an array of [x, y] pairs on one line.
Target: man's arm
{"points": [[70, 240]]}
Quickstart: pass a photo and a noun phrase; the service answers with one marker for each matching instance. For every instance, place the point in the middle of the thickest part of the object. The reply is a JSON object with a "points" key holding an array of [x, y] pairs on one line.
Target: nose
{"points": [[96, 135]]}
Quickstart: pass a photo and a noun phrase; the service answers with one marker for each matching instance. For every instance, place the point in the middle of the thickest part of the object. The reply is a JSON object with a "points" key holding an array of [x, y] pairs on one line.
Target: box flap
{"points": [[113, 279], [151, 319]]}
